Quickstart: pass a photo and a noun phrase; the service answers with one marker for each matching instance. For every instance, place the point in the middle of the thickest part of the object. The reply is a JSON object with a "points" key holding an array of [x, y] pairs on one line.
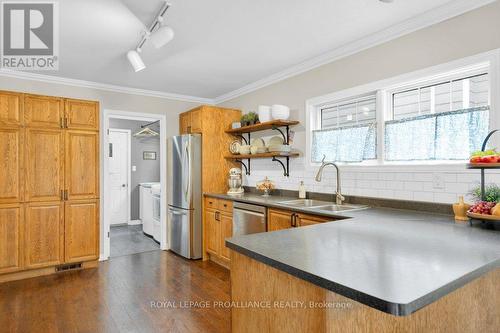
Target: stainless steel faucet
{"points": [[338, 195]]}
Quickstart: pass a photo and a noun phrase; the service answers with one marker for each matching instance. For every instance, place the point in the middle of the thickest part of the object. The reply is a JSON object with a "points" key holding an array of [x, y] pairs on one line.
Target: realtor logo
{"points": [[30, 35]]}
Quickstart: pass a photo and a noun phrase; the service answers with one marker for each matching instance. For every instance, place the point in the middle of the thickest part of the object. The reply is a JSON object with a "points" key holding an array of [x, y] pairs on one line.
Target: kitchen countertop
{"points": [[396, 261]]}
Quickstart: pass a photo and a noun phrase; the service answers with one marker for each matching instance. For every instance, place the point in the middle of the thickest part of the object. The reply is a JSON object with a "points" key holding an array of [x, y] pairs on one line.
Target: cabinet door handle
{"points": [[61, 122], [65, 122], [293, 221], [62, 195], [65, 194]]}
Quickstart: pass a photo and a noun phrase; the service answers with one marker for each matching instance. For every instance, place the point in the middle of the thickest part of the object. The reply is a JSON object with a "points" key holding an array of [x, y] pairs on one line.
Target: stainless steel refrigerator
{"points": [[184, 195]]}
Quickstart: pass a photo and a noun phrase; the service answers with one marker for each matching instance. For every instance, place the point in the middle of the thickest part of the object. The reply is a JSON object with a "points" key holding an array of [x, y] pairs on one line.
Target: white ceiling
{"points": [[219, 45]]}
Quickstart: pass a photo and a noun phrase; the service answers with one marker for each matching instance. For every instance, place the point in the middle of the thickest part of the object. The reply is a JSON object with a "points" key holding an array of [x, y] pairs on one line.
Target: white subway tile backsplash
{"points": [[403, 185], [413, 186]]}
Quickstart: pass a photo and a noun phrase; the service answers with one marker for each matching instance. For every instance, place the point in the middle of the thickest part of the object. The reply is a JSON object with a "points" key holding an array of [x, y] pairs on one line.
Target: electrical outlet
{"points": [[438, 181]]}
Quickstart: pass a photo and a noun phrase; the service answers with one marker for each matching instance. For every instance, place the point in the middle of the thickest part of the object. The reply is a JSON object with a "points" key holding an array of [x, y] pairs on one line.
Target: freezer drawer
{"points": [[185, 232]]}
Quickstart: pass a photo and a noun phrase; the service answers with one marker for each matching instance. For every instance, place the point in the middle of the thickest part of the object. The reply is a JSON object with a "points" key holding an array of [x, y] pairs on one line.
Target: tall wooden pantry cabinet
{"points": [[49, 184]]}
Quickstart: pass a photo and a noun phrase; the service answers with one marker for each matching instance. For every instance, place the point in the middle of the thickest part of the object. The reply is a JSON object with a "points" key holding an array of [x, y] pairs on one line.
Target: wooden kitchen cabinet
{"points": [[11, 237], [279, 219], [226, 231], [11, 165], [185, 123], [218, 227], [82, 114], [43, 111], [44, 158], [211, 231], [81, 165], [284, 219], [191, 121], [49, 184], [11, 108], [196, 121], [44, 234], [81, 230], [303, 220]]}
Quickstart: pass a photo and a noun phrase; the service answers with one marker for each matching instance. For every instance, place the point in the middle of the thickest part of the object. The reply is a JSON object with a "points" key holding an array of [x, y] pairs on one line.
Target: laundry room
{"points": [[134, 179]]}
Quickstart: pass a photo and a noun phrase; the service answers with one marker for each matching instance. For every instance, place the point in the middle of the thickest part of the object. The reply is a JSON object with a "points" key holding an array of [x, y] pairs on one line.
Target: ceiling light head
{"points": [[386, 1], [162, 36], [135, 60]]}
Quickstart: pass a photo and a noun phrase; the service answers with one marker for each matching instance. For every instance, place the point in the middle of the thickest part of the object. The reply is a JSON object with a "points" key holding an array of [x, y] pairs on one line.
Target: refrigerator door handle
{"points": [[187, 192]]}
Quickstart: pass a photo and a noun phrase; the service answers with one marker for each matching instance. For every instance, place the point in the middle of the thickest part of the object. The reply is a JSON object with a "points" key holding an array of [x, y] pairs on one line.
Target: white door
{"points": [[118, 172]]}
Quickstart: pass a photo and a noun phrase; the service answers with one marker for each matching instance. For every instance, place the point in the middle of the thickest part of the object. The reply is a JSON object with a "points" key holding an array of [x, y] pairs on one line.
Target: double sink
{"points": [[322, 205]]}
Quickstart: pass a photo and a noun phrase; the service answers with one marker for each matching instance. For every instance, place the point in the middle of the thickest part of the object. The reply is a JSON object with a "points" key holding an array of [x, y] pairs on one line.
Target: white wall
{"points": [[466, 35]]}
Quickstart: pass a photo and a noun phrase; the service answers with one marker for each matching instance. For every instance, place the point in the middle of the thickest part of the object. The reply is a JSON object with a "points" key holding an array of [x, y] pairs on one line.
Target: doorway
{"points": [[134, 183]]}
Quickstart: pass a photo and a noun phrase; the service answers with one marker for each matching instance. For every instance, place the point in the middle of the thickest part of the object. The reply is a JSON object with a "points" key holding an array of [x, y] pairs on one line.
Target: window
{"points": [[347, 132], [443, 117], [446, 120]]}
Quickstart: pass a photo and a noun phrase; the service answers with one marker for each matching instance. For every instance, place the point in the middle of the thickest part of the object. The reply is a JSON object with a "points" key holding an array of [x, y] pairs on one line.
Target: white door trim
{"points": [[140, 116], [129, 163]]}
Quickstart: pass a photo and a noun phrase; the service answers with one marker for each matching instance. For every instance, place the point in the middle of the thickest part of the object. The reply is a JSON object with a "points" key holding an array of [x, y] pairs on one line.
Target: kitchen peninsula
{"points": [[372, 270]]}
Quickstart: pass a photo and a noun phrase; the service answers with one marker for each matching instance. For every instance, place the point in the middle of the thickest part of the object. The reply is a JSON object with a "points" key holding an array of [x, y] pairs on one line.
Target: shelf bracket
{"points": [[285, 137], [286, 168], [247, 141], [245, 166]]}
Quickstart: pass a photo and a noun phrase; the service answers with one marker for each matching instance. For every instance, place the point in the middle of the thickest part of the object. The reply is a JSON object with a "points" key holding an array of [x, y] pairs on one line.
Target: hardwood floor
{"points": [[117, 297]]}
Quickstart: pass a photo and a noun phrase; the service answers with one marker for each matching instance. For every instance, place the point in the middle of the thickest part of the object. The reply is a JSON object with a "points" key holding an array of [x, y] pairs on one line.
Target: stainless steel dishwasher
{"points": [[248, 219]]}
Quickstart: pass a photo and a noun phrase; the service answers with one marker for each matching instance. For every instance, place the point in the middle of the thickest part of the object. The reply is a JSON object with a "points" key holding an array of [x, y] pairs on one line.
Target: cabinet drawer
{"points": [[211, 203], [226, 206]]}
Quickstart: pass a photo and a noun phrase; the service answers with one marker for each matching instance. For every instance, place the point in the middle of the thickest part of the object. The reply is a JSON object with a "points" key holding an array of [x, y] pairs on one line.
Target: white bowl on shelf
{"points": [[264, 112], [280, 112]]}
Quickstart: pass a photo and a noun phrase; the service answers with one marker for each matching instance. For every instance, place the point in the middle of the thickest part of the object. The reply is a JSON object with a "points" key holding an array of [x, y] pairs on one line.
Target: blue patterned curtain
{"points": [[346, 144], [442, 136]]}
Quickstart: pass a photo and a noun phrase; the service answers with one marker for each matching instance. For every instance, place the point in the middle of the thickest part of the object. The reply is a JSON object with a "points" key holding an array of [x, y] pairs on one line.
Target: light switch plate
{"points": [[134, 168]]}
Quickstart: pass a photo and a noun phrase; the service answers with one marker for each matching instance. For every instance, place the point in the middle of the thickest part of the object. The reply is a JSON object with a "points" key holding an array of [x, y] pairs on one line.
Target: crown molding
{"points": [[103, 86], [424, 20]]}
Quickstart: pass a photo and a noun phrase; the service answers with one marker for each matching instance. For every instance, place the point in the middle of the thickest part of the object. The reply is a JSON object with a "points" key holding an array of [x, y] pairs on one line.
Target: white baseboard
{"points": [[134, 222]]}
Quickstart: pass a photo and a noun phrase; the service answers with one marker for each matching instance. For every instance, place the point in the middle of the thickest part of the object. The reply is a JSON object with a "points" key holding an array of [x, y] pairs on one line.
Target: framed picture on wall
{"points": [[149, 155]]}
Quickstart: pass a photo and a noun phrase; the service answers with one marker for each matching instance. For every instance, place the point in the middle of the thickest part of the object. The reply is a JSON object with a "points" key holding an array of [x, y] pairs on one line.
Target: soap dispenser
{"points": [[302, 190]]}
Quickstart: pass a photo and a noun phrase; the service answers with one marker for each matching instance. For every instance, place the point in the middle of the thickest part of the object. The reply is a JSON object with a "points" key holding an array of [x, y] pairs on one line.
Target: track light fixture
{"points": [[159, 35]]}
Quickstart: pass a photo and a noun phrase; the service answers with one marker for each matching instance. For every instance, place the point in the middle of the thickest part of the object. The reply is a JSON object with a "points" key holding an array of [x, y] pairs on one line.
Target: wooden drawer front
{"points": [[211, 203], [226, 206], [82, 114], [11, 230], [44, 241], [11, 168], [10, 108], [306, 219], [43, 111]]}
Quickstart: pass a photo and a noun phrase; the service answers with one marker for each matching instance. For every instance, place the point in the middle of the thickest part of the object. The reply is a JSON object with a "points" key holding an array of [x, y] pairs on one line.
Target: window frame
{"points": [[486, 62]]}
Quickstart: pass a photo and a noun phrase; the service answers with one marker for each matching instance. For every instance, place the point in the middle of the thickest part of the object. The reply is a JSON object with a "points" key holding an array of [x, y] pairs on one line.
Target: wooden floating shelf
{"points": [[483, 165], [262, 126], [263, 155]]}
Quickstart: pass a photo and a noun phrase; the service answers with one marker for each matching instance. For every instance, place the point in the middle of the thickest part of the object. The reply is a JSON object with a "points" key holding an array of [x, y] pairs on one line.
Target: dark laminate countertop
{"points": [[396, 261]]}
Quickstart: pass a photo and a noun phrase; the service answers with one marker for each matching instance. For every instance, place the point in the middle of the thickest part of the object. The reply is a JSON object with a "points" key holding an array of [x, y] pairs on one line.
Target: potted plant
{"points": [[249, 119]]}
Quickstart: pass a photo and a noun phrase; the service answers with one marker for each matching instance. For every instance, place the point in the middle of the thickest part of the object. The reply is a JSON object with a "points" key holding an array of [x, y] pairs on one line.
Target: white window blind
{"points": [[348, 131]]}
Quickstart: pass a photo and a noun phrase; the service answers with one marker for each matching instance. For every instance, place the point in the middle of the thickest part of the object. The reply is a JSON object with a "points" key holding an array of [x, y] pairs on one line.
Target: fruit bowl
{"points": [[484, 210]]}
